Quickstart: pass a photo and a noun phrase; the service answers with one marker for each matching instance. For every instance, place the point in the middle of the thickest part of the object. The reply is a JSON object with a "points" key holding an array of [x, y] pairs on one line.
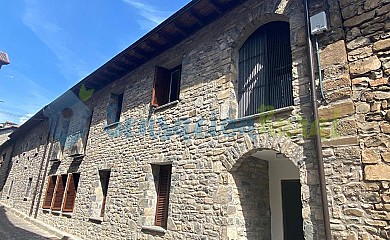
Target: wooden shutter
{"points": [[160, 95], [59, 192], [70, 193], [164, 185], [49, 192]]}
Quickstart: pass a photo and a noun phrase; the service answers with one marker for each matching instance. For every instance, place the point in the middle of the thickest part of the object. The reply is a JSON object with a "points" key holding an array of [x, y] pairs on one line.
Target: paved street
{"points": [[14, 227]]}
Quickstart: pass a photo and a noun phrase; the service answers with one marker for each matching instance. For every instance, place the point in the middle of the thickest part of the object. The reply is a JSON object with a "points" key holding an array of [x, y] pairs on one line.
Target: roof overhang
{"points": [[182, 24]]}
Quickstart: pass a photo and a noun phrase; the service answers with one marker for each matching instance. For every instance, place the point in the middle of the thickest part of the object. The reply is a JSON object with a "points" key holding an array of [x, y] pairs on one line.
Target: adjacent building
{"points": [[5, 130], [220, 123]]}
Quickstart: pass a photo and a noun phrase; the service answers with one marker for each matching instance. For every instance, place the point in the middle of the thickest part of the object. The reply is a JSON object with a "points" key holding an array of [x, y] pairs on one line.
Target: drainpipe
{"points": [[52, 126], [321, 172]]}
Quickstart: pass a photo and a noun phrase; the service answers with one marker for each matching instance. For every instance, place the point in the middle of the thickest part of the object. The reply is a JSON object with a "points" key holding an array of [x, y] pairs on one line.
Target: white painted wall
{"points": [[279, 169]]}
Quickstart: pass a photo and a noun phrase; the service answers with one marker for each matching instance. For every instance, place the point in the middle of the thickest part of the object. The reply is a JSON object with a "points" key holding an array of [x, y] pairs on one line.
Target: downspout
{"points": [[321, 172], [49, 138]]}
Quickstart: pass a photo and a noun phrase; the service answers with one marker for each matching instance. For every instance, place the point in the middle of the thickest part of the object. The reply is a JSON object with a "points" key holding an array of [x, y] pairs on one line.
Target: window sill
{"points": [[67, 214], [257, 115], [46, 210], [96, 219], [76, 155], [56, 212], [156, 229], [166, 105], [55, 160], [111, 125]]}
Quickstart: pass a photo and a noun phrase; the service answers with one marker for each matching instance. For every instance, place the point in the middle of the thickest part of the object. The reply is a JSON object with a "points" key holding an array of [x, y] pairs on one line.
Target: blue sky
{"points": [[54, 44]]}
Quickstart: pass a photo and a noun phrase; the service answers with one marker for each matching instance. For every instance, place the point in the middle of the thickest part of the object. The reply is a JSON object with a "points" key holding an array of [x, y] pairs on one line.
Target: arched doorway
{"points": [[266, 198]]}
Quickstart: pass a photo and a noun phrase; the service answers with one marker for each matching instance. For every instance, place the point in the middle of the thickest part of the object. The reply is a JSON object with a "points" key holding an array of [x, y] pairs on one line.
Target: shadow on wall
{"points": [[5, 169], [9, 231], [250, 200]]}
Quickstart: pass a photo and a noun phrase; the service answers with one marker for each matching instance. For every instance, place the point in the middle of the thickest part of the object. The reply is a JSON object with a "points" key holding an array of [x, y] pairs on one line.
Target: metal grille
{"points": [[265, 70]]}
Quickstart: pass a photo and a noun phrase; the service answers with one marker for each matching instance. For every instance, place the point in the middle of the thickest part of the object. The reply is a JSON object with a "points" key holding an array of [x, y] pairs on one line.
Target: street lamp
{"points": [[4, 60]]}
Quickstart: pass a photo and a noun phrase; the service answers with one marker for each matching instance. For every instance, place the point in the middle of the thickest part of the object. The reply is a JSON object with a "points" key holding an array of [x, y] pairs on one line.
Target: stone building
{"points": [[5, 130], [217, 124]]}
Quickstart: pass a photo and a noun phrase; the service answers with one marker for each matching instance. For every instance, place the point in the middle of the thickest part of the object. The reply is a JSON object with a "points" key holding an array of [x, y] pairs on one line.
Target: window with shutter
{"points": [[166, 87], [59, 192], [49, 192], [104, 179], [114, 108], [164, 185], [265, 70], [70, 193], [64, 133]]}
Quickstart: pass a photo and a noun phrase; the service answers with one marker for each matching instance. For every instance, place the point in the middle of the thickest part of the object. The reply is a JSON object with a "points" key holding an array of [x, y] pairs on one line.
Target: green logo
{"points": [[85, 94]]}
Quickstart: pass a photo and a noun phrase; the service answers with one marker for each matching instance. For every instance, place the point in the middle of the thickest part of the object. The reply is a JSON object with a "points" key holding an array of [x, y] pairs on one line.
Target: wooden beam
{"points": [[197, 17], [106, 72], [143, 54], [180, 29], [152, 44], [126, 65], [129, 59], [118, 68], [215, 6], [164, 36]]}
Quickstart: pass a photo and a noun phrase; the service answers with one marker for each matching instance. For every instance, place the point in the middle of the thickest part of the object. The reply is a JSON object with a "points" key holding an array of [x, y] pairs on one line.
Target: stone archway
{"points": [[254, 196], [235, 154]]}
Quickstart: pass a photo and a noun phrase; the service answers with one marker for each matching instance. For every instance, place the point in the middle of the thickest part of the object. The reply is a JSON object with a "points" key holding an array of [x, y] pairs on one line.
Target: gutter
{"points": [[321, 171]]}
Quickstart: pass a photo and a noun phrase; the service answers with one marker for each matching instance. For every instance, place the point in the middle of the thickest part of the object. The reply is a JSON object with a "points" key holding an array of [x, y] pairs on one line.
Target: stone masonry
{"points": [[219, 190]]}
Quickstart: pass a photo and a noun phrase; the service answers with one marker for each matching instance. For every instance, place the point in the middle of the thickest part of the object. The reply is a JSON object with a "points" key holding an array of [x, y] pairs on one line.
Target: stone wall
{"points": [[4, 134], [249, 211], [195, 136], [26, 162], [357, 94], [209, 149], [4, 166]]}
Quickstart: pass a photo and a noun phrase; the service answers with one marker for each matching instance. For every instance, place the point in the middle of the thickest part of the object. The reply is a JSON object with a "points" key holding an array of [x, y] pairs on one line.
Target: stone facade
{"points": [[219, 188], [357, 86]]}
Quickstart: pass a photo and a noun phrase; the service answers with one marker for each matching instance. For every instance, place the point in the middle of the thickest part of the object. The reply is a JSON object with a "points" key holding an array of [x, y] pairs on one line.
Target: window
{"points": [[59, 192], [28, 189], [64, 133], [265, 70], [114, 108], [10, 188], [2, 159], [104, 179], [70, 193], [166, 87], [49, 192], [164, 184]]}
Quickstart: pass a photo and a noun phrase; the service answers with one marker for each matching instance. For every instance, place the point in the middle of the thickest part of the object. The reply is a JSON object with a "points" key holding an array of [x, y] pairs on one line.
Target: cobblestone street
{"points": [[15, 227]]}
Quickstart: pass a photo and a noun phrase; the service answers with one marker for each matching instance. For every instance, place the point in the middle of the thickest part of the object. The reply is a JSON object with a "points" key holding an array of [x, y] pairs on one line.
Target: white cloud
{"points": [[152, 16], [35, 16], [27, 96], [24, 118]]}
